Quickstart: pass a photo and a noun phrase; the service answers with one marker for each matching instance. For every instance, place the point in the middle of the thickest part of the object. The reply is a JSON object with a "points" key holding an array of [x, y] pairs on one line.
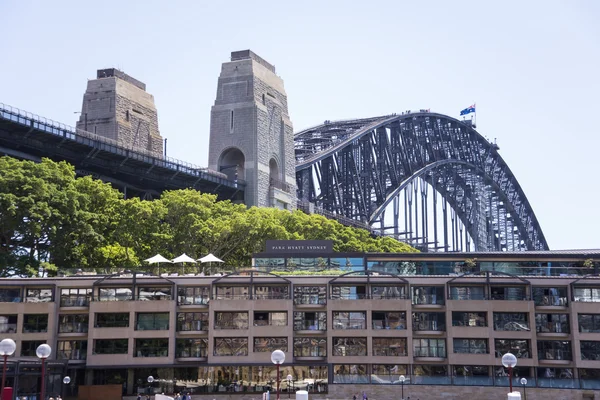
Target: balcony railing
{"points": [[75, 301], [554, 354], [187, 326], [468, 296], [152, 326], [35, 328], [349, 296], [386, 324], [428, 299], [74, 327], [72, 354], [553, 327], [192, 353], [8, 328], [350, 324], [429, 326], [272, 296], [308, 299], [231, 325], [152, 352], [560, 301], [309, 351], [438, 352], [310, 325]]}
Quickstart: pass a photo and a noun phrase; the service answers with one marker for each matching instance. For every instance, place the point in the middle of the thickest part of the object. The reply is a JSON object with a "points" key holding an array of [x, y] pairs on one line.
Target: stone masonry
{"points": [[117, 106], [251, 135]]}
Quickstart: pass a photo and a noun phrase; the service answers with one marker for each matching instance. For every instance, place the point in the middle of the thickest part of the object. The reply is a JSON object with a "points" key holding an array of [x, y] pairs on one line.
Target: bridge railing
{"points": [[118, 147]]}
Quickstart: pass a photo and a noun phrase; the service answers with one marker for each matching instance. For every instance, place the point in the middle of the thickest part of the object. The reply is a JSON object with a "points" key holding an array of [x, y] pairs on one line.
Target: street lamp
{"points": [[402, 378], [7, 348], [524, 383], [42, 352], [150, 380], [277, 358], [66, 380], [289, 380], [509, 361]]}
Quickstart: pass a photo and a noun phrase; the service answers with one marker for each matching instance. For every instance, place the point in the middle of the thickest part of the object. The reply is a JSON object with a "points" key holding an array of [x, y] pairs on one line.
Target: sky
{"points": [[532, 68]]}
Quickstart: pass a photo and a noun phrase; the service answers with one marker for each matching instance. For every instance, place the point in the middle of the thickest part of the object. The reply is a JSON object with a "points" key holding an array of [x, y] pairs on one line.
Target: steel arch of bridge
{"points": [[440, 183]]}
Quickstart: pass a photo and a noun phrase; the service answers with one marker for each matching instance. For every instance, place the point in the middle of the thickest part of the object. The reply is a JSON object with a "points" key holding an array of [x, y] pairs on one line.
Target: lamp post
{"points": [[150, 380], [43, 352], [66, 381], [402, 378], [509, 361], [7, 348], [524, 383], [289, 381], [277, 358]]}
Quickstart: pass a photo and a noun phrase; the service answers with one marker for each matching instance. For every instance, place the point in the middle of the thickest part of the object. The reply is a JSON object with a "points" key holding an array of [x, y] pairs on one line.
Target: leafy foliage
{"points": [[50, 219]]}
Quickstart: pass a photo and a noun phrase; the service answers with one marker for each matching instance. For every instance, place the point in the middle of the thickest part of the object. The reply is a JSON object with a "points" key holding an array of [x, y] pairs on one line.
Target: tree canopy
{"points": [[50, 219]]}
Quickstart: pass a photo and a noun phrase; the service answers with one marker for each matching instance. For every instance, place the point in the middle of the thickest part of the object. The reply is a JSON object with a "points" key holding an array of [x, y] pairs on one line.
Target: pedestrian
{"points": [[139, 397], [354, 397]]}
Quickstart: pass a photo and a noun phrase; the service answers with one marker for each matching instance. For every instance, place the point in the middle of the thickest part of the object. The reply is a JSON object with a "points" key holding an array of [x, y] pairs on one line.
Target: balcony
{"points": [[429, 327], [555, 356], [428, 300], [72, 355], [430, 352], [8, 328], [192, 326], [551, 301], [75, 301], [310, 326], [74, 327]]}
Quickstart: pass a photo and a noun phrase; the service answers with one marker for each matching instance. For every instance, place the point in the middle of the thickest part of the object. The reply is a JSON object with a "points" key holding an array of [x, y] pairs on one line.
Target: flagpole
{"points": [[475, 104]]}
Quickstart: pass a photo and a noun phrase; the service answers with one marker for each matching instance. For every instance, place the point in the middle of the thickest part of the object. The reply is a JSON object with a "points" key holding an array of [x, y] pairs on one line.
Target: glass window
{"points": [[467, 293], [310, 321], [501, 376], [590, 378], [38, 295], [115, 294], [73, 323], [389, 347], [72, 349], [111, 346], [28, 347], [476, 319], [231, 320], [152, 322], [431, 374], [590, 350], [349, 346], [350, 373], [231, 346], [589, 323], [590, 295], [190, 321], [382, 374], [266, 318], [427, 295], [429, 348], [271, 292], [154, 293], [429, 321], [472, 375], [508, 293], [349, 320], [339, 292], [232, 293], [556, 378], [194, 348], [347, 264], [310, 295], [310, 347], [151, 348], [550, 296], [471, 346], [187, 295], [552, 323], [270, 344], [554, 350], [35, 323], [401, 268], [75, 297], [388, 292], [8, 323], [519, 347], [10, 295], [389, 319], [511, 322], [112, 320]]}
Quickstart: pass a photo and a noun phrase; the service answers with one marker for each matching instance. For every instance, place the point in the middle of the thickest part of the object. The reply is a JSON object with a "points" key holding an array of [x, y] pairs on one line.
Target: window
{"points": [[111, 346], [349, 346], [310, 295], [73, 323], [269, 345], [231, 121], [35, 323], [471, 346], [590, 295], [348, 292], [467, 293], [154, 293], [388, 292], [231, 320], [508, 293], [350, 373], [265, 318], [271, 292], [151, 348], [349, 320], [10, 295], [554, 350], [72, 349], [590, 378], [476, 319], [115, 294], [152, 322], [232, 293], [389, 347], [431, 374], [193, 295], [429, 348], [552, 323], [519, 347], [194, 348], [388, 319], [231, 347], [28, 347], [589, 323], [550, 296], [192, 321], [501, 376], [310, 347], [310, 321], [590, 350], [555, 378], [112, 320], [382, 374], [434, 321], [75, 297], [472, 375], [511, 322], [8, 323], [427, 295], [39, 295]]}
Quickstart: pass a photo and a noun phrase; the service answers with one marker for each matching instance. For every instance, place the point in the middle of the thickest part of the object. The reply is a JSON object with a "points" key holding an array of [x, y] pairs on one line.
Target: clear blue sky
{"points": [[531, 66]]}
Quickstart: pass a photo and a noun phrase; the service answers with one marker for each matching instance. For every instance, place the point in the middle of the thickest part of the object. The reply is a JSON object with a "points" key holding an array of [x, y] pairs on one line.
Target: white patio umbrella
{"points": [[157, 259], [183, 259], [210, 258]]}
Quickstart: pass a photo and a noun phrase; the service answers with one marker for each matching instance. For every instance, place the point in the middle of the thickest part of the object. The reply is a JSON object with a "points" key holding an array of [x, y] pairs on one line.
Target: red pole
{"points": [[510, 378], [277, 381], [43, 391], [3, 374]]}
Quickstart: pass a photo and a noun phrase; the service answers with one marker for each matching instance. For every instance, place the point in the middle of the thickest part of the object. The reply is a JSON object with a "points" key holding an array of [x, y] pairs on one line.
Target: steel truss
{"points": [[424, 178]]}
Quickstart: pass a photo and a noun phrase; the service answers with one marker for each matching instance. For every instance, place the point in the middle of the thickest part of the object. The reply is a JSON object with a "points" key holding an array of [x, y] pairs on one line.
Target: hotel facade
{"points": [[346, 322]]}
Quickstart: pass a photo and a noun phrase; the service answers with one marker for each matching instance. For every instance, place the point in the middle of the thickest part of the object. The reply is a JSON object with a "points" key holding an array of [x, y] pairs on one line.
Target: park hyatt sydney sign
{"points": [[299, 246]]}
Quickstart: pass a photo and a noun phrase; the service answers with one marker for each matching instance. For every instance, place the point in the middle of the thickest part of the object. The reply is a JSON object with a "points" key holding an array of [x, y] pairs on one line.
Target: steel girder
{"points": [[426, 164]]}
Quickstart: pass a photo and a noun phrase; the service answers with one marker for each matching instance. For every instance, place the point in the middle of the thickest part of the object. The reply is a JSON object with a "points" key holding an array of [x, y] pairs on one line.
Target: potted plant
{"points": [[588, 263], [469, 265]]}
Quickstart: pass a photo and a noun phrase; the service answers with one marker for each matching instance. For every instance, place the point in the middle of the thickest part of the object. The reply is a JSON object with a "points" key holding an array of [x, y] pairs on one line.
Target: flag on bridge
{"points": [[468, 110]]}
